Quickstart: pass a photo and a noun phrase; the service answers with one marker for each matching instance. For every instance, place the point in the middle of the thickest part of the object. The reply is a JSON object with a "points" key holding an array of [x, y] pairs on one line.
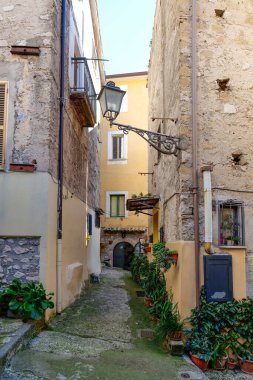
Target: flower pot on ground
{"points": [[202, 364], [170, 325], [232, 363], [27, 301], [176, 335], [221, 363], [147, 301], [200, 350], [246, 364]]}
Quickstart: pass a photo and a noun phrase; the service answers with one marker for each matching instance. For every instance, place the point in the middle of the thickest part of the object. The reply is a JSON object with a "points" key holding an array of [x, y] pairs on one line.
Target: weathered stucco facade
{"points": [[224, 39], [121, 168], [29, 200]]}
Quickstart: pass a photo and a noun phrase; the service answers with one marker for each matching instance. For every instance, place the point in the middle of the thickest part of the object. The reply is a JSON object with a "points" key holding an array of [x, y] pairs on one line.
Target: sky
{"points": [[126, 29]]}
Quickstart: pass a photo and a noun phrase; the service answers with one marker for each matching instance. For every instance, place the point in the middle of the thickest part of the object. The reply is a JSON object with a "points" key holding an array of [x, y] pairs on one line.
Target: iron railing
{"points": [[82, 81]]}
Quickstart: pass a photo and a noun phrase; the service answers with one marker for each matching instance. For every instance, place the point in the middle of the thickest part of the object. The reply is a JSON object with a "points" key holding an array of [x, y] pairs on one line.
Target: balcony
{"points": [[83, 93]]}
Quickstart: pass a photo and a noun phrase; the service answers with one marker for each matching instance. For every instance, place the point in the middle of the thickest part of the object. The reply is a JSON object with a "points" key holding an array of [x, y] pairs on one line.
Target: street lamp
{"points": [[110, 98]]}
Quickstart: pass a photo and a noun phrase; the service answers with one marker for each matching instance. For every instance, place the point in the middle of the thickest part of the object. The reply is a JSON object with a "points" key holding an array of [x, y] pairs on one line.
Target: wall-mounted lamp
{"points": [[110, 98]]}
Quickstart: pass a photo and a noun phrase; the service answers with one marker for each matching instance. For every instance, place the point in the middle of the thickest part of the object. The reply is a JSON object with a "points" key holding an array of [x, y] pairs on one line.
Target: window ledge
{"points": [[233, 246], [122, 161]]}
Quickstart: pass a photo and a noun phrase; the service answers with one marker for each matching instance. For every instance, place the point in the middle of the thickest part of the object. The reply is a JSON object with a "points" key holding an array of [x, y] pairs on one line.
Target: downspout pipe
{"points": [[195, 188], [206, 170], [60, 163]]}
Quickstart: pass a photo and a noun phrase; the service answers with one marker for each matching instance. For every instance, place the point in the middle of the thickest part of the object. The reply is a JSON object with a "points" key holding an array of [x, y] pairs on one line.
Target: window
{"points": [[3, 112], [97, 218], [89, 224], [117, 206], [231, 223], [117, 147]]}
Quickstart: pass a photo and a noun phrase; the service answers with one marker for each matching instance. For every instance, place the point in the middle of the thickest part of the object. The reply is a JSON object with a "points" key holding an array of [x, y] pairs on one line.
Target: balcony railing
{"points": [[83, 87]]}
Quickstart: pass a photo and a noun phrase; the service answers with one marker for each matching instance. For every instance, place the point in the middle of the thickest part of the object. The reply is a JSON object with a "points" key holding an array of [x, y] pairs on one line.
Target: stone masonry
{"points": [[20, 259], [224, 112]]}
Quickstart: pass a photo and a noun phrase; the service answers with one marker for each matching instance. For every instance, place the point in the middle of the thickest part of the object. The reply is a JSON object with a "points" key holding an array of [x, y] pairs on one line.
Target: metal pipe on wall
{"points": [[208, 210], [195, 147], [60, 163]]}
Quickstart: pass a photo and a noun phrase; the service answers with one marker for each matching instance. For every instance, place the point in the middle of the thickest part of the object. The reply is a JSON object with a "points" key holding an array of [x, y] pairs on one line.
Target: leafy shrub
{"points": [[139, 267], [162, 256], [226, 325], [169, 319], [27, 300]]}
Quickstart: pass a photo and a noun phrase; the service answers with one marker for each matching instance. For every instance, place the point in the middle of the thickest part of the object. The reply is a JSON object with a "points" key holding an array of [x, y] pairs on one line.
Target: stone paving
{"points": [[97, 338]]}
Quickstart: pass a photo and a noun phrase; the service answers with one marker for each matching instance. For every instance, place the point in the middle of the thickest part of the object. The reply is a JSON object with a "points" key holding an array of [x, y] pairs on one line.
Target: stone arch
{"points": [[130, 240]]}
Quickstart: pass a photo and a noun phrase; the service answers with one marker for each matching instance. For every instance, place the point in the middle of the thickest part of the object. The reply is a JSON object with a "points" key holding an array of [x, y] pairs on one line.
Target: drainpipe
{"points": [[206, 170], [60, 165], [195, 148]]}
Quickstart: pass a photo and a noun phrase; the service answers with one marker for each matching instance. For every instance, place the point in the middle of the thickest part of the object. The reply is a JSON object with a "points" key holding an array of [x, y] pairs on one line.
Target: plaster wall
{"points": [[224, 117], [36, 216], [181, 277], [124, 177], [29, 200]]}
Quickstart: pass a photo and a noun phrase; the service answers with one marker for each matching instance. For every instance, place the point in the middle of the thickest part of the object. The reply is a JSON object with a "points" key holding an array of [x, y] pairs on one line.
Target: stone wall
{"points": [[34, 93], [20, 259], [109, 240], [224, 114]]}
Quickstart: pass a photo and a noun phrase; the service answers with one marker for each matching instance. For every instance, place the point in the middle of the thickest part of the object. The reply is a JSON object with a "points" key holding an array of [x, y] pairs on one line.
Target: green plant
{"points": [[158, 246], [169, 320], [139, 267], [236, 239], [159, 297], [153, 281], [228, 326], [201, 346], [134, 196], [29, 300]]}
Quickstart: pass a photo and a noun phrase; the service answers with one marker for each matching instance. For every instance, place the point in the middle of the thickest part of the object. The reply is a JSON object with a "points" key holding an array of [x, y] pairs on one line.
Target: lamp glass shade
{"points": [[110, 98]]}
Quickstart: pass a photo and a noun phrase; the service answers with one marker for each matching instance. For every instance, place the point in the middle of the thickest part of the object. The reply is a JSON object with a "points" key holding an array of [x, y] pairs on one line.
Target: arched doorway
{"points": [[122, 255]]}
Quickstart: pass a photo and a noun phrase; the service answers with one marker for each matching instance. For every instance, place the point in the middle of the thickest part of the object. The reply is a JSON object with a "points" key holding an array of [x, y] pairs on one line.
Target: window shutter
{"points": [[3, 106]]}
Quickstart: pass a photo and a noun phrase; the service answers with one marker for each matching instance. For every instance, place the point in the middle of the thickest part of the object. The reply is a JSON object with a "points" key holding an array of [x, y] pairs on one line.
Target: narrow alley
{"points": [[98, 337]]}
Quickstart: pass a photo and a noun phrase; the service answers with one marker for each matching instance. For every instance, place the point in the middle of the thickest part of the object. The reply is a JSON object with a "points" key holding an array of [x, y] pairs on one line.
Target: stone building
{"points": [[49, 228], [124, 167], [200, 85]]}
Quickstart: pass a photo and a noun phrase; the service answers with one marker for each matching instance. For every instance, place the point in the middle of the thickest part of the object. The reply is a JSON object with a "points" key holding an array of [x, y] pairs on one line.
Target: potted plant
{"points": [[28, 300], [236, 240], [163, 256], [200, 350], [139, 267], [246, 358], [219, 355], [230, 240], [170, 327]]}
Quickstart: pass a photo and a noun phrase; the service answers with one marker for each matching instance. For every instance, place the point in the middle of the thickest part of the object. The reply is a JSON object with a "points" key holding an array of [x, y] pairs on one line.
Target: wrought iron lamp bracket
{"points": [[162, 143]]}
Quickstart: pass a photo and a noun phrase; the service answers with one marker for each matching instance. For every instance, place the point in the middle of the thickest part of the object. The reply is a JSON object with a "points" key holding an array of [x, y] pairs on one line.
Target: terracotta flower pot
{"points": [[232, 363], [199, 362], [147, 301], [176, 335], [147, 249], [221, 363], [174, 256], [247, 366]]}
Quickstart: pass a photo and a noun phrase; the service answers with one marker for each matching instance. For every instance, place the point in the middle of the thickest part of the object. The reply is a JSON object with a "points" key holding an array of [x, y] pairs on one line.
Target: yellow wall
{"points": [[180, 278], [29, 208], [125, 177]]}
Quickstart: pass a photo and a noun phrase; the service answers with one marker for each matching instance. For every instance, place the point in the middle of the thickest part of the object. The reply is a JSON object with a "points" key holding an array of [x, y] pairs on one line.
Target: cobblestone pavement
{"points": [[98, 338]]}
